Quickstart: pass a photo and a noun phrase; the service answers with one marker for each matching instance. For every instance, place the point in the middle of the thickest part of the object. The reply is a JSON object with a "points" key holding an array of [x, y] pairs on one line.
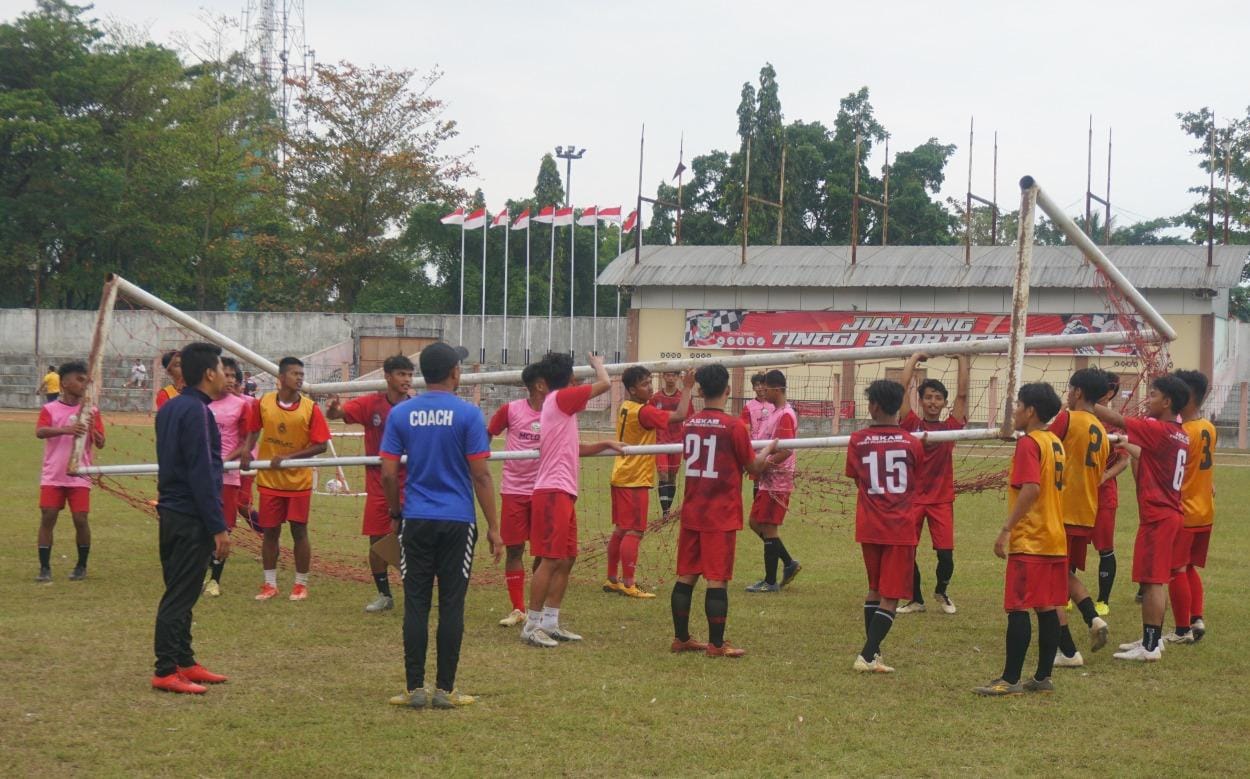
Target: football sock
{"points": [[614, 553], [716, 604], [679, 602], [782, 553], [945, 568], [667, 493], [1087, 610], [1178, 593], [870, 608], [551, 618], [83, 551], [1150, 636], [216, 568], [271, 577], [629, 557], [770, 560], [1019, 633], [45, 557], [1106, 574], [917, 594], [1066, 644], [516, 588], [882, 621], [1196, 594], [301, 578], [383, 583], [533, 619], [1047, 643]]}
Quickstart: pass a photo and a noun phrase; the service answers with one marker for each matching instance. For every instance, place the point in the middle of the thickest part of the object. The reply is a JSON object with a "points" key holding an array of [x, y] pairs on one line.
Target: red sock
{"points": [[629, 557], [1195, 592], [516, 588], [1178, 591], [614, 553]]}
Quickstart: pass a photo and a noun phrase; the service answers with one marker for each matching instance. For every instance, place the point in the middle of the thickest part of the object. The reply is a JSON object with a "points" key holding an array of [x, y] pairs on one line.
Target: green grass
{"points": [[310, 680]]}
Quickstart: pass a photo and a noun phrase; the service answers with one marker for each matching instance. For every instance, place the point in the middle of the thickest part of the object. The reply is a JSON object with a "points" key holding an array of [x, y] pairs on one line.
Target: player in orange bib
{"points": [[1198, 507], [289, 426], [171, 361], [1033, 543]]}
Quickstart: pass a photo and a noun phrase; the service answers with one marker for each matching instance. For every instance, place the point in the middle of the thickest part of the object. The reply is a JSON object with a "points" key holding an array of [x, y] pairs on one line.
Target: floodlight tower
{"points": [[275, 42]]}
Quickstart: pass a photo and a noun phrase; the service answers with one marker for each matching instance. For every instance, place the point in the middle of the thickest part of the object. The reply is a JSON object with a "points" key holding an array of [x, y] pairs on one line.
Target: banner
{"points": [[802, 330]]}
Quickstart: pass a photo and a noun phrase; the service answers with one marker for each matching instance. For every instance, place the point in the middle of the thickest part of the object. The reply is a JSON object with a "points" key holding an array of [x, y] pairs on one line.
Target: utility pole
{"points": [[568, 155]]}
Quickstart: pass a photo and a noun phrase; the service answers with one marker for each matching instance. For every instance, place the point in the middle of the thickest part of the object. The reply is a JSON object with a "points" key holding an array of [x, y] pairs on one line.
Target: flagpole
{"points": [[507, 229], [551, 279], [572, 276], [527, 291], [620, 237], [594, 287], [460, 341], [482, 341]]}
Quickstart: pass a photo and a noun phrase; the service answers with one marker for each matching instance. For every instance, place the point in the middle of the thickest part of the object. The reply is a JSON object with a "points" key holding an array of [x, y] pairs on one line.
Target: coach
{"points": [[446, 443], [192, 529]]}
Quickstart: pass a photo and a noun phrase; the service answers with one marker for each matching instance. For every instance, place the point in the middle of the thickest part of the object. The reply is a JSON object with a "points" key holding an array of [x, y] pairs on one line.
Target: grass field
{"points": [[310, 680]]}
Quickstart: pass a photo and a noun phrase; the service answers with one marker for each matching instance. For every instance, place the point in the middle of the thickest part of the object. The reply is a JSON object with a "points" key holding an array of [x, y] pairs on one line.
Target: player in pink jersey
{"points": [[231, 412], [553, 519], [58, 425], [776, 484], [754, 412], [520, 418]]}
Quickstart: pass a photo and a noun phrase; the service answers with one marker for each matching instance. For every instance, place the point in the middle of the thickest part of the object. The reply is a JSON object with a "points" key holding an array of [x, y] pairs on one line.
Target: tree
{"points": [[1231, 153]]}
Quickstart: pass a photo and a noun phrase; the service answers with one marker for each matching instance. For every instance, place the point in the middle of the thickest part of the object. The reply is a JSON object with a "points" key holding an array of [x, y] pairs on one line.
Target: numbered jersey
{"points": [[1038, 459], [1161, 469], [1198, 486], [636, 425], [885, 461], [668, 434], [1085, 449], [717, 449]]}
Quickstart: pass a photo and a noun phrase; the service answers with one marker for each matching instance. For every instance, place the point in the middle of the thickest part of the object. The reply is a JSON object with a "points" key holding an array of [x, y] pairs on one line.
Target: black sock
{"points": [[1195, 618], [870, 608], [917, 595], [882, 621], [1182, 631], [945, 568], [1087, 610], [1066, 644], [1150, 636], [679, 602], [1106, 574], [383, 583], [716, 604], [45, 557], [667, 493], [782, 553], [216, 567], [771, 557], [1019, 633], [83, 551], [1047, 643]]}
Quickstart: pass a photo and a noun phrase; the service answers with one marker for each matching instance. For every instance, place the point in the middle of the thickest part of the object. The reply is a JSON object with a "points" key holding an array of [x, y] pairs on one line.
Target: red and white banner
{"points": [[802, 330], [454, 218], [475, 220], [611, 214], [563, 217], [630, 222], [523, 221], [500, 220], [589, 217], [546, 214]]}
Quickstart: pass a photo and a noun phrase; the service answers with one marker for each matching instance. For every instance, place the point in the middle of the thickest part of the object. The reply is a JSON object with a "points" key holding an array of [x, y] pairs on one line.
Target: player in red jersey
{"points": [[936, 488], [1198, 508], [371, 411], [1108, 502], [667, 465], [885, 461], [1164, 448], [717, 449]]}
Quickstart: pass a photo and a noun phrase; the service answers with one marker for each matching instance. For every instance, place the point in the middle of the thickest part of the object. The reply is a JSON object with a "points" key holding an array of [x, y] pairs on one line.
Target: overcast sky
{"points": [[524, 77]]}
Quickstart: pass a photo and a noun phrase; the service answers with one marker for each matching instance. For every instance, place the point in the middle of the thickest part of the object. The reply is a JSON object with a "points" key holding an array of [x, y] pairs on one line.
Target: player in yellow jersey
{"points": [[1086, 449], [1198, 508], [171, 361], [289, 426], [633, 475], [1033, 543]]}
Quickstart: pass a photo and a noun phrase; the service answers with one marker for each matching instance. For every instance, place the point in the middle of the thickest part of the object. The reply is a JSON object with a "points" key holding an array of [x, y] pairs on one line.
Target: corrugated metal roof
{"points": [[1147, 267]]}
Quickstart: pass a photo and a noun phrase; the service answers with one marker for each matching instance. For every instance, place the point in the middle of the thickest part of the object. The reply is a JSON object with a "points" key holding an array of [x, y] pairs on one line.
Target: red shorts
{"points": [[1104, 528], [1153, 551], [377, 518], [78, 498], [890, 569], [1078, 544], [229, 504], [553, 525], [1199, 539], [276, 509], [1035, 582], [668, 464], [707, 553], [514, 519], [245, 490], [941, 518], [629, 508], [769, 508]]}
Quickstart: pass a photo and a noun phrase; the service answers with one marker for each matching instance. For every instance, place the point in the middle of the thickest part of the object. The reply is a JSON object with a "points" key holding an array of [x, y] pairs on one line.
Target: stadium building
{"points": [[698, 301]]}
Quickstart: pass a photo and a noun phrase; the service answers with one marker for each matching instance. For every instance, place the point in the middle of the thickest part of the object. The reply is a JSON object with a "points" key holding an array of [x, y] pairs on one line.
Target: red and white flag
{"points": [[523, 221], [611, 214], [630, 222], [589, 217], [563, 217], [475, 220], [501, 220], [454, 218], [546, 215]]}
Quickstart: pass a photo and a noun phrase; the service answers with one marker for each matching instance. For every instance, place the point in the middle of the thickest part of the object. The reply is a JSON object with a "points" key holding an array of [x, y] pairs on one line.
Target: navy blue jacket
{"points": [[188, 454]]}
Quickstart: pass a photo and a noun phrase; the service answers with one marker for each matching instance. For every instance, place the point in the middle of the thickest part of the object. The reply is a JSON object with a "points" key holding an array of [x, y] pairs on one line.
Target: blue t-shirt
{"points": [[439, 433]]}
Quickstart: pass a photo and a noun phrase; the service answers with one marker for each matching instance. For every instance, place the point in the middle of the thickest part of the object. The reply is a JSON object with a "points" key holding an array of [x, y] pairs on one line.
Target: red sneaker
{"points": [[689, 645], [725, 650], [267, 591], [299, 592], [198, 673], [176, 682]]}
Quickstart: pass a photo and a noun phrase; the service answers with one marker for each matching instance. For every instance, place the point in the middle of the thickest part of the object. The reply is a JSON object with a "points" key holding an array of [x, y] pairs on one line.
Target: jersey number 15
{"points": [[895, 472]]}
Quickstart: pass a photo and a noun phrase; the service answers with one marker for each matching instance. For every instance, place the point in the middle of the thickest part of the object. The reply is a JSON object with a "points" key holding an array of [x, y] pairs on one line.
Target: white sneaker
{"points": [[948, 606], [1063, 661], [1135, 644], [560, 634], [1173, 638], [212, 589], [1097, 634], [512, 620], [537, 637], [911, 607], [875, 667], [380, 604], [1139, 654]]}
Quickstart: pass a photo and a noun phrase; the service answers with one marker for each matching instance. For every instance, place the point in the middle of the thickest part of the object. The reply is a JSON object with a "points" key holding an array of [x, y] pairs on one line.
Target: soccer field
{"points": [[309, 681]]}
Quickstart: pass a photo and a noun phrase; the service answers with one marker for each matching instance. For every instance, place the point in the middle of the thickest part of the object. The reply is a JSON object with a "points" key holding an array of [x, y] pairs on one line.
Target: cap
{"points": [[439, 358]]}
